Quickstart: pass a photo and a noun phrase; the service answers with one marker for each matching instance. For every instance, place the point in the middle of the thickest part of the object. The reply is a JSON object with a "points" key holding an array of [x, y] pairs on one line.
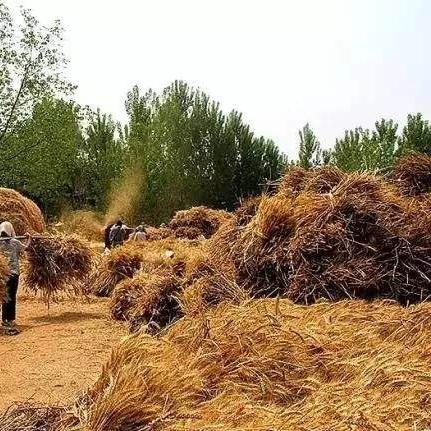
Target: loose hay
{"points": [[271, 364], [23, 213], [56, 263]]}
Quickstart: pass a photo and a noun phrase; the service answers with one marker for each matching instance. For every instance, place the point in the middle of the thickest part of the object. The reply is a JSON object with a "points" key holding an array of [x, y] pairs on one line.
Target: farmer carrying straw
{"points": [[12, 248]]}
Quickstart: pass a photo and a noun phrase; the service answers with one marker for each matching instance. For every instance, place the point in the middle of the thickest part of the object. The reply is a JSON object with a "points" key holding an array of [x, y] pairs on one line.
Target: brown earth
{"points": [[59, 352]]}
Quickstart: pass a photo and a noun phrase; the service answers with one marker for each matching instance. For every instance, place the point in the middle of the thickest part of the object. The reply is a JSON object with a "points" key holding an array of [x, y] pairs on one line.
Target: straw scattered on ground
{"points": [[270, 364]]}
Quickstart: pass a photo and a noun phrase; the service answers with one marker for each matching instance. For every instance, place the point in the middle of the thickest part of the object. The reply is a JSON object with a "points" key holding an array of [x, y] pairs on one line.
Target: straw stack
{"points": [[271, 364], [23, 213]]}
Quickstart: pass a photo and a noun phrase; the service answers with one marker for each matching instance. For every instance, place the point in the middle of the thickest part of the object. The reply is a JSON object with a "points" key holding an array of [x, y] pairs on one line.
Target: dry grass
{"points": [[271, 364], [56, 263], [23, 213], [413, 174], [31, 417]]}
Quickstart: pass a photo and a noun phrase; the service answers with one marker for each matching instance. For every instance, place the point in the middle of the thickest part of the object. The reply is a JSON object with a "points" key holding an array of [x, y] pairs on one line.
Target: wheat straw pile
{"points": [[57, 263], [334, 235], [270, 364], [152, 294], [23, 213], [4, 276], [197, 221], [413, 174]]}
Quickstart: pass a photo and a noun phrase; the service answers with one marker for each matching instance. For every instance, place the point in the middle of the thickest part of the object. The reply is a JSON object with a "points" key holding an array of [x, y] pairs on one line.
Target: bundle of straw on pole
{"points": [[413, 174], [4, 276], [57, 262]]}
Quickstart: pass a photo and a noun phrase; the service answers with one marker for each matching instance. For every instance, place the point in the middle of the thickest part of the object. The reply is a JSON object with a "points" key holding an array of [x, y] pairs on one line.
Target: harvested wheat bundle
{"points": [[23, 213], [157, 234], [270, 364], [120, 263], [209, 291], [147, 298], [31, 417], [293, 181], [204, 219], [57, 262], [4, 276], [188, 232], [247, 210], [261, 250], [412, 174], [324, 179]]}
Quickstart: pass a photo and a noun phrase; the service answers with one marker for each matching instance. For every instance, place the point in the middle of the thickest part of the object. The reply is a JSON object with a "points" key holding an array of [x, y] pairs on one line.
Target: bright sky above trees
{"points": [[334, 64]]}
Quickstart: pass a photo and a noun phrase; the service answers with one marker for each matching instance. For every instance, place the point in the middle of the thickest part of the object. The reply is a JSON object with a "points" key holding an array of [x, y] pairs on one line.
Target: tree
{"points": [[31, 63], [49, 173], [416, 135], [309, 148], [101, 160]]}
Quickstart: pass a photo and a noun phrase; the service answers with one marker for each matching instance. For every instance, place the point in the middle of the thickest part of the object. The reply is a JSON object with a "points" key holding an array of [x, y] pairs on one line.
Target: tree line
{"points": [[367, 150], [185, 150]]}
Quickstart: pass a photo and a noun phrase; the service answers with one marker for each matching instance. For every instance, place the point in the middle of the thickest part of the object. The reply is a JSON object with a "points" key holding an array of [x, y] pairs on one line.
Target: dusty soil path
{"points": [[57, 355]]}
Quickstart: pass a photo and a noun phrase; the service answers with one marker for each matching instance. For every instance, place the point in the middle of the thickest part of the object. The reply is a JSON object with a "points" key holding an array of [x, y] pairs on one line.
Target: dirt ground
{"points": [[58, 354]]}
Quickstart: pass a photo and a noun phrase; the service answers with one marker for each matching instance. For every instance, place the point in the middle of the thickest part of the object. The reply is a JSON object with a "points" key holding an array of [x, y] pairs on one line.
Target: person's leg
{"points": [[14, 280]]}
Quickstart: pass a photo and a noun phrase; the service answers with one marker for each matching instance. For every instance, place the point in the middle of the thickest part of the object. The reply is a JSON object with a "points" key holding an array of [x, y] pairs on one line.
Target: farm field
{"points": [[58, 354]]}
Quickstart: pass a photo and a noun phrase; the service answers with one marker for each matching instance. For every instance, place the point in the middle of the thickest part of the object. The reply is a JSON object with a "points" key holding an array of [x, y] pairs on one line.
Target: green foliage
{"points": [[101, 161], [191, 153], [309, 148], [416, 135], [42, 157], [31, 64], [362, 150]]}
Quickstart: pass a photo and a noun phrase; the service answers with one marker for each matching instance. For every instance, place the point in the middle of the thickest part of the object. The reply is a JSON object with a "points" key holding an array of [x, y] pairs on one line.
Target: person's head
{"points": [[7, 230], [119, 223], [140, 228]]}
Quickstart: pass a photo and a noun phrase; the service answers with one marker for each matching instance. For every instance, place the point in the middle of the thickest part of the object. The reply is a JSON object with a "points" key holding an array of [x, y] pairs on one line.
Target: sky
{"points": [[334, 64]]}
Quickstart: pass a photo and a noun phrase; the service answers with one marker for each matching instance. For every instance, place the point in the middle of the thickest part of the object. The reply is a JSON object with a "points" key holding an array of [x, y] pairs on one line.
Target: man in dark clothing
{"points": [[118, 234], [108, 244]]}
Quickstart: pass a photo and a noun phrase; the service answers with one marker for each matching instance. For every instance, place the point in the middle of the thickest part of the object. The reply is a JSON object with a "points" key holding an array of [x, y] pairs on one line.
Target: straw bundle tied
{"points": [[413, 174], [23, 213], [362, 239], [4, 276], [31, 417], [153, 294], [204, 220], [56, 263], [270, 364]]}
